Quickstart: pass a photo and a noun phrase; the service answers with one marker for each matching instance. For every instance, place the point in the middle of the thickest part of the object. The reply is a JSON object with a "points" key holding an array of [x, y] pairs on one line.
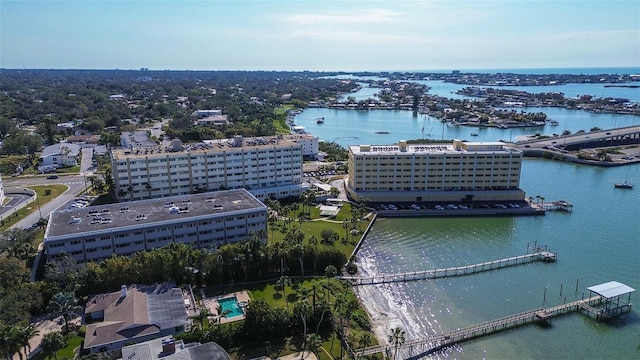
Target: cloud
{"points": [[371, 16], [355, 36], [596, 35]]}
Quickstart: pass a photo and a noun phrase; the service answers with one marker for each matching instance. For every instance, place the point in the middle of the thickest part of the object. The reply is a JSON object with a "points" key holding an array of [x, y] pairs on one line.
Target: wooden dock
{"points": [[539, 254], [429, 344], [560, 205]]}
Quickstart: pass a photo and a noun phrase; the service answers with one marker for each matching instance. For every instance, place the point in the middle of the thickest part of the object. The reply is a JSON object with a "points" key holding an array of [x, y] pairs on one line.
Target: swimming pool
{"points": [[230, 306]]}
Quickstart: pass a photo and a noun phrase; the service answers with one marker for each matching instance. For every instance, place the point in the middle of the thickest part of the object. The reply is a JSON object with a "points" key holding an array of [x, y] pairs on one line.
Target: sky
{"points": [[347, 35]]}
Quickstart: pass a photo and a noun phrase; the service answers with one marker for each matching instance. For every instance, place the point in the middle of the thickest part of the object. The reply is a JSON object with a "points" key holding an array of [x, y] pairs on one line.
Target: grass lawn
{"points": [[68, 170], [276, 298], [280, 123], [72, 342], [316, 225], [43, 198]]}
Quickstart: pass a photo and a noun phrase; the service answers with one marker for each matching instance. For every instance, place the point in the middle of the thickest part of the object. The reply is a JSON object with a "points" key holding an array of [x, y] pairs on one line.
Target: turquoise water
{"points": [[596, 243], [365, 127], [230, 304], [350, 127]]}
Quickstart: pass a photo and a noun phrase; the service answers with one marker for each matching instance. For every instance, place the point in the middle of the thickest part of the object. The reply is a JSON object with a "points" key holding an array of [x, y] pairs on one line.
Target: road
{"points": [[75, 183], [600, 136]]}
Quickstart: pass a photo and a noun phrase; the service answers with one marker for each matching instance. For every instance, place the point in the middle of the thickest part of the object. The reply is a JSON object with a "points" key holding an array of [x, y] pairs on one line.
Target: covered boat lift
{"points": [[610, 292]]}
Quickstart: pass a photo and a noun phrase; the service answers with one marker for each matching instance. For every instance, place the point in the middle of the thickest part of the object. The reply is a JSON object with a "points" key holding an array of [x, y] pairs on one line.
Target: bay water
{"points": [[599, 241]]}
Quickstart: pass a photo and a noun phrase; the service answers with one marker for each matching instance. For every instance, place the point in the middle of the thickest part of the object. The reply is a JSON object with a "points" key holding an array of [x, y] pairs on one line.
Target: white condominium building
{"points": [[309, 144], [435, 172], [202, 220], [265, 166]]}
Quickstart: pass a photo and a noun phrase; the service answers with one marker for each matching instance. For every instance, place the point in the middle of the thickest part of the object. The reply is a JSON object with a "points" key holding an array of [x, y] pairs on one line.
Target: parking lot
{"points": [[456, 208]]}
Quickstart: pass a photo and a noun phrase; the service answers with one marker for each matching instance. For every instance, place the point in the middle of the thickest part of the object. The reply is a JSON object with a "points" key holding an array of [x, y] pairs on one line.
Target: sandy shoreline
{"points": [[386, 305]]}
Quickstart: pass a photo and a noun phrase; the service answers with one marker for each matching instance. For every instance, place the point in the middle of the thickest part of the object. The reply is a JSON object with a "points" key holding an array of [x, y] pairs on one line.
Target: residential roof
{"points": [[143, 311], [55, 149], [611, 289], [135, 214], [153, 350]]}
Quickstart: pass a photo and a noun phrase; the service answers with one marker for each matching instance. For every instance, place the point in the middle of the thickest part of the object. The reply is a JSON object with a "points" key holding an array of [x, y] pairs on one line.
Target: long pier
{"points": [[429, 344], [539, 254]]}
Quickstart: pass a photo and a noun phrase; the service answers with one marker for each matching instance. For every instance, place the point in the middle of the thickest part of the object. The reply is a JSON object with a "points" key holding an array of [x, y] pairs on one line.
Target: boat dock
{"points": [[559, 205], [604, 302], [539, 253], [429, 344]]}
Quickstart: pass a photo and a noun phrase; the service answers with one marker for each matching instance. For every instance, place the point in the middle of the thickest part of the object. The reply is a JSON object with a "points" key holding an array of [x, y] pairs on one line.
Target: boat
{"points": [[320, 120], [554, 123], [624, 185], [474, 134]]}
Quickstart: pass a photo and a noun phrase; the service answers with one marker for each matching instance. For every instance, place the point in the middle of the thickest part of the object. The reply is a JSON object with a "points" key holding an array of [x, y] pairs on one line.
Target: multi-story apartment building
{"points": [[435, 172], [309, 144], [201, 220], [265, 166]]}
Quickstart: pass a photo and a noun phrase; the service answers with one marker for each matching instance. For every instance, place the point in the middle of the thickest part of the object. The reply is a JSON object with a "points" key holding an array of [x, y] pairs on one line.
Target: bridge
{"points": [[588, 140], [539, 253]]}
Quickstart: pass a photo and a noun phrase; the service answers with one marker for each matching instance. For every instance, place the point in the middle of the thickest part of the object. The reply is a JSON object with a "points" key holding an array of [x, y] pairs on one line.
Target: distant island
{"points": [[624, 86]]}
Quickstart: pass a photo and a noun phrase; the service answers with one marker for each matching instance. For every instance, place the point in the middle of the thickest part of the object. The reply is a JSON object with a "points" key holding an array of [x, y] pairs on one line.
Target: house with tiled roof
{"points": [[134, 314]]}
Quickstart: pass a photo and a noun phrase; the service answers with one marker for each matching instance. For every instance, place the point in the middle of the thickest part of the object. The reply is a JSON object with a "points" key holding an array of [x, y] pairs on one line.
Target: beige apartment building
{"points": [[265, 166], [461, 171]]}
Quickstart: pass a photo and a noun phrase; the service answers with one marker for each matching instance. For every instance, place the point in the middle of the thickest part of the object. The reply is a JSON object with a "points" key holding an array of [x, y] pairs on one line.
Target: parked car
{"points": [[51, 177]]}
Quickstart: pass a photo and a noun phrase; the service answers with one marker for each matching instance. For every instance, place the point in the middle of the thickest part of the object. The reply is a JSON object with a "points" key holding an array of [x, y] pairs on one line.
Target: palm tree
{"points": [[64, 303], [315, 341], [51, 343], [221, 313], [201, 317], [397, 339], [303, 308], [10, 341], [26, 334], [282, 283]]}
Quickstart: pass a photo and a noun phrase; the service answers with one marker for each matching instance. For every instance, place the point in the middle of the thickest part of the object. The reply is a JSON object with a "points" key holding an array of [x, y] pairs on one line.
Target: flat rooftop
{"points": [[220, 145], [611, 289], [70, 221], [469, 147]]}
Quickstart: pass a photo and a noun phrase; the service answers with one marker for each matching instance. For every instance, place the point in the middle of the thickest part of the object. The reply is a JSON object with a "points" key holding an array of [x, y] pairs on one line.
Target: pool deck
{"points": [[212, 305]]}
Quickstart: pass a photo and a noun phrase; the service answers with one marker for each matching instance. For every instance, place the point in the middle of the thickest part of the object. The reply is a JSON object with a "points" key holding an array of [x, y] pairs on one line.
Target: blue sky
{"points": [[319, 35]]}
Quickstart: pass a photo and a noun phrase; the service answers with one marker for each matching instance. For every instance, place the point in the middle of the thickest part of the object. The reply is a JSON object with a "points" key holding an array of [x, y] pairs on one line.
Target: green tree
{"points": [[65, 304], [396, 339], [281, 285], [222, 313], [303, 310], [10, 341], [201, 317], [51, 343]]}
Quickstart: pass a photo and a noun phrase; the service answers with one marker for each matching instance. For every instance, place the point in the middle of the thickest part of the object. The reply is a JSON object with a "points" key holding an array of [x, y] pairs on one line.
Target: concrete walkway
{"points": [[307, 355]]}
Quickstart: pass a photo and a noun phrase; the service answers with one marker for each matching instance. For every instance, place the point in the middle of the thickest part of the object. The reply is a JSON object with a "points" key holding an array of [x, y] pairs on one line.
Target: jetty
{"points": [[603, 303], [534, 253]]}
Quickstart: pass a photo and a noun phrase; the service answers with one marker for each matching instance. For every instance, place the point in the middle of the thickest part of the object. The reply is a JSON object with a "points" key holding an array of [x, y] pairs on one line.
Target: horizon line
{"points": [[144, 69]]}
